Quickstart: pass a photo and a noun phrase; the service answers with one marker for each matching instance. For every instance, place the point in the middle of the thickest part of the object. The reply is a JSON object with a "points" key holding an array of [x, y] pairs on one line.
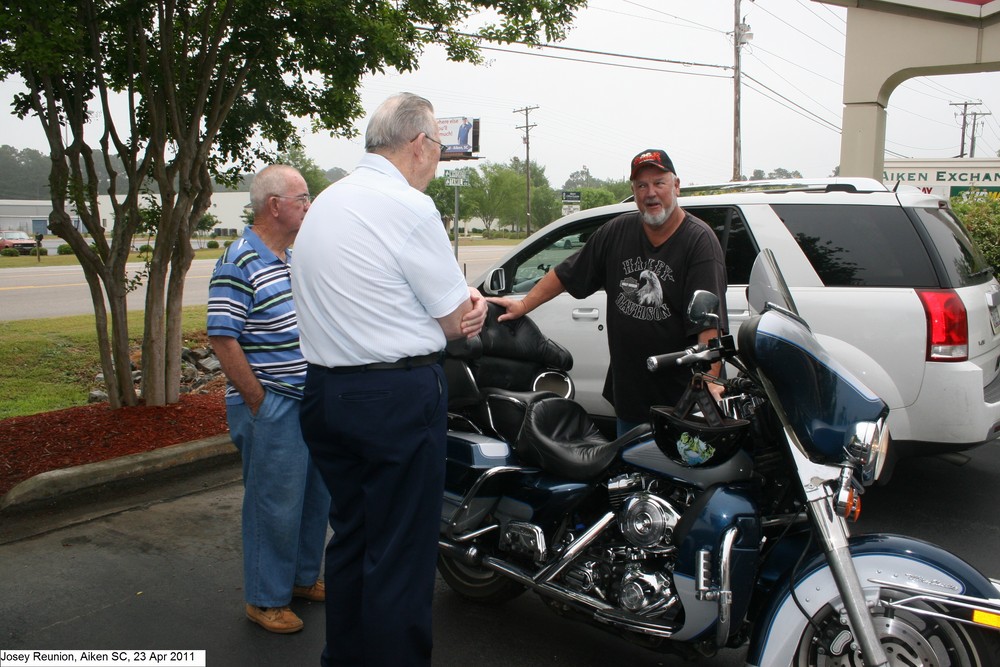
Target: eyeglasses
{"points": [[304, 199], [443, 147]]}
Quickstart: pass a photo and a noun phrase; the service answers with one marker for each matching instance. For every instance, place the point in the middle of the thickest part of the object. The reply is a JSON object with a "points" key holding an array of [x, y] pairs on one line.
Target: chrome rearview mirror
{"points": [[702, 309], [495, 283]]}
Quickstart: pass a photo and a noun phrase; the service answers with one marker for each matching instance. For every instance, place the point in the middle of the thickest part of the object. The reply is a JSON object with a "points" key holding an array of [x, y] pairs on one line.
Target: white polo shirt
{"points": [[373, 269]]}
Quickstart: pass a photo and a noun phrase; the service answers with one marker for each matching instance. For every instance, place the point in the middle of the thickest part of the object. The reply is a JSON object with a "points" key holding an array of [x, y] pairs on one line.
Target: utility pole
{"points": [[741, 35], [527, 165], [965, 120], [975, 119]]}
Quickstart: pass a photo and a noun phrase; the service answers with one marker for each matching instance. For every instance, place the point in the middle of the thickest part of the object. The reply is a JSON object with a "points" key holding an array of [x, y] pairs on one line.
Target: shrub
{"points": [[980, 211], [228, 243], [35, 252], [9, 252], [212, 244], [64, 249], [144, 248]]}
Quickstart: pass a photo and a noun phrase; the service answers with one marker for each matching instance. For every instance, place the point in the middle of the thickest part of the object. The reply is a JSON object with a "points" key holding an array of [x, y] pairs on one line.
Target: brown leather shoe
{"points": [[276, 619], [316, 592]]}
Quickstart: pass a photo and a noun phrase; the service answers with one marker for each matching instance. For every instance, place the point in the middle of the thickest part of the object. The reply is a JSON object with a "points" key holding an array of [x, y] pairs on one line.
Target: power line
{"points": [[694, 26], [600, 62], [800, 91], [757, 47], [557, 47], [813, 12], [673, 16], [821, 120], [778, 18]]}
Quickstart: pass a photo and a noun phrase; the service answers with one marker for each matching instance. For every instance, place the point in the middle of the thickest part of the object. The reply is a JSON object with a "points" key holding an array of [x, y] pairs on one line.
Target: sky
{"points": [[637, 74]]}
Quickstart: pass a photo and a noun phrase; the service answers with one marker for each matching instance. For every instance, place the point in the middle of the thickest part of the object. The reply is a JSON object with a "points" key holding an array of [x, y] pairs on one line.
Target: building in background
{"points": [[32, 215]]}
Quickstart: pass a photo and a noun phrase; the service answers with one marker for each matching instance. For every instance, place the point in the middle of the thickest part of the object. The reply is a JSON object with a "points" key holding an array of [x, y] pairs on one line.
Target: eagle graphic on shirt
{"points": [[641, 295]]}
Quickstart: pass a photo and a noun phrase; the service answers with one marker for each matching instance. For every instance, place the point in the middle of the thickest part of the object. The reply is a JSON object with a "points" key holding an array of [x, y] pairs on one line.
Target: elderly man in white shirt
{"points": [[379, 293]]}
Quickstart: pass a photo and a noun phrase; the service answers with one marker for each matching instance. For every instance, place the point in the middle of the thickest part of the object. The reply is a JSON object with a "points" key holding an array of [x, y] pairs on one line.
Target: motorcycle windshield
{"points": [[768, 286], [820, 399]]}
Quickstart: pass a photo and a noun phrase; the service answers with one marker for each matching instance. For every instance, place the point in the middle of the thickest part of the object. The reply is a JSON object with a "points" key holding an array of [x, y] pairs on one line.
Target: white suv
{"points": [[890, 282]]}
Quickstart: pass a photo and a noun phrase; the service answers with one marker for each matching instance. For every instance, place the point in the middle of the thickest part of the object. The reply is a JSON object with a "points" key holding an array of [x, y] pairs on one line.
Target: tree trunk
{"points": [[153, 338], [180, 264]]}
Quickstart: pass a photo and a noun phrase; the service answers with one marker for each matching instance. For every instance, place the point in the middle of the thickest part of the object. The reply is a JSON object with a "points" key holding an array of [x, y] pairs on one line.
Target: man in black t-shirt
{"points": [[649, 263]]}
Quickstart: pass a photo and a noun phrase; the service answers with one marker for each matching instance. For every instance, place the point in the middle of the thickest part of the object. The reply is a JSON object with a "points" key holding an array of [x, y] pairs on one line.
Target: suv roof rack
{"points": [[790, 185]]}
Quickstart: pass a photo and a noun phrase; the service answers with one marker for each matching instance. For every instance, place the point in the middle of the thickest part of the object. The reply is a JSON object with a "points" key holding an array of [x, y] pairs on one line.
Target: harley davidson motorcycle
{"points": [[712, 526]]}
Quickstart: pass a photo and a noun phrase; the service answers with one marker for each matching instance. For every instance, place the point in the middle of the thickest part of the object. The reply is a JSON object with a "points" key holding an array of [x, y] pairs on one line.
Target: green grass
{"points": [[52, 259], [50, 364]]}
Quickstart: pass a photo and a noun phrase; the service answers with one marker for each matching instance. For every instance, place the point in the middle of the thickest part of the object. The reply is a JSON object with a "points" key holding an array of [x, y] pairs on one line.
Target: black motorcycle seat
{"points": [[559, 437], [505, 409]]}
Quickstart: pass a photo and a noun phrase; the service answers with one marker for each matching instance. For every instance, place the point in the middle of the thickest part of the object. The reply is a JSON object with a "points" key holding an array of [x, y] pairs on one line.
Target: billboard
{"points": [[944, 177], [460, 136]]}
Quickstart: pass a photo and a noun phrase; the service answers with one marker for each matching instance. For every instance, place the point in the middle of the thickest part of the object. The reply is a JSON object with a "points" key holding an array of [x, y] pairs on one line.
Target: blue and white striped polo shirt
{"points": [[250, 299]]}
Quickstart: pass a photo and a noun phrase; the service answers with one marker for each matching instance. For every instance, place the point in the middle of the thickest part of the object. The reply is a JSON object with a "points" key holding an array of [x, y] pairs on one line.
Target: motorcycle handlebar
{"points": [[685, 357]]}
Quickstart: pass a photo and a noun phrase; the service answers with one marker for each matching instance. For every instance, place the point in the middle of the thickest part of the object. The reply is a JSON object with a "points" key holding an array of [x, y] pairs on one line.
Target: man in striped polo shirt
{"points": [[254, 332]]}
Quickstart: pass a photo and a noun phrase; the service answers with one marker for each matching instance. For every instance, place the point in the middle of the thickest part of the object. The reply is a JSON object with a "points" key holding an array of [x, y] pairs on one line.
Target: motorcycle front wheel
{"points": [[477, 583], [907, 638]]}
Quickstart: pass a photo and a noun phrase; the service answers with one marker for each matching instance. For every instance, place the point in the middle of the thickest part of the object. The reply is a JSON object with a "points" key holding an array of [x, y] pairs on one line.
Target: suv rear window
{"points": [[852, 245], [961, 261]]}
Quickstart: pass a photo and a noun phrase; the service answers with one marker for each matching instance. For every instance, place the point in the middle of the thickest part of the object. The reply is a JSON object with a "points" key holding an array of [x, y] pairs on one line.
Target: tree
{"points": [[210, 88], [980, 211], [335, 174], [443, 196], [545, 204], [582, 179], [493, 194], [779, 173], [315, 177], [594, 197], [24, 172], [621, 189]]}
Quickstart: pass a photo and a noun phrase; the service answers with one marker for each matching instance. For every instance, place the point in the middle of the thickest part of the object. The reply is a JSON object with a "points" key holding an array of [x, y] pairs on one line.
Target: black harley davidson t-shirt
{"points": [[648, 292]]}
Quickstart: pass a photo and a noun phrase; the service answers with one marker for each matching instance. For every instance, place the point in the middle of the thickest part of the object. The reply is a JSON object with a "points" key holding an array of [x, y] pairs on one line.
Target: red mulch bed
{"points": [[35, 444]]}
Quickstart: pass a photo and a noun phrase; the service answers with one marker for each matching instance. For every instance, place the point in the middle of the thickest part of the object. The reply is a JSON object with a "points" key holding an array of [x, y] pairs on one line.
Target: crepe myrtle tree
{"points": [[186, 92]]}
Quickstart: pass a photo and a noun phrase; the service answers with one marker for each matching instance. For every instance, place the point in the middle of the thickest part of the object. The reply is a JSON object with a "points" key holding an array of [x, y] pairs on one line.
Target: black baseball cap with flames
{"points": [[653, 157]]}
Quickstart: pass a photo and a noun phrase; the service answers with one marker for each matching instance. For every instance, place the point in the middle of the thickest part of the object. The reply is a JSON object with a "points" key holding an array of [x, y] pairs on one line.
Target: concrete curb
{"points": [[48, 485]]}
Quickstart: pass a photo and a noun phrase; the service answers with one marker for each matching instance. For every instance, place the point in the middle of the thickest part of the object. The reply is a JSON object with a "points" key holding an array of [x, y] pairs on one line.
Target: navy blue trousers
{"points": [[378, 439]]}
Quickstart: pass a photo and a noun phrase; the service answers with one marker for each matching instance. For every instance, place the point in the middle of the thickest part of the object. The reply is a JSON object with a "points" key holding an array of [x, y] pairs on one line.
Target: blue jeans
{"points": [[285, 503]]}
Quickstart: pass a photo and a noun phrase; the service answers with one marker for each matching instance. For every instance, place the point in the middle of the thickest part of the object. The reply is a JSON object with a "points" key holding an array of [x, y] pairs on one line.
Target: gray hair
{"points": [[271, 180], [398, 121]]}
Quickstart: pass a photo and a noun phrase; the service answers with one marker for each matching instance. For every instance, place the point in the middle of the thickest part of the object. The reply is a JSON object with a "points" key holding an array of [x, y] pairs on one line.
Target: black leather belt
{"points": [[405, 363]]}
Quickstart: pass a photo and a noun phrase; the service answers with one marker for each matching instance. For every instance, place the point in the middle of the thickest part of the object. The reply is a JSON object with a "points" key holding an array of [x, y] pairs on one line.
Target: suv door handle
{"points": [[586, 313]]}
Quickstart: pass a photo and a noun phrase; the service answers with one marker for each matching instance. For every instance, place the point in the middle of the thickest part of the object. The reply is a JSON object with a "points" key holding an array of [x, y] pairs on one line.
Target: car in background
{"points": [[890, 282], [20, 241]]}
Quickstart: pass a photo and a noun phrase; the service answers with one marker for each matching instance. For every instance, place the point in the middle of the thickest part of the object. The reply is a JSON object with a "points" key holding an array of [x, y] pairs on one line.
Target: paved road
{"points": [[52, 291], [166, 575], [157, 566]]}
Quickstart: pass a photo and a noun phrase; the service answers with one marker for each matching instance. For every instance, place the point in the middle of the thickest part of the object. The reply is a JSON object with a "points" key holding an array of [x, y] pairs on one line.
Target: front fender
{"points": [[904, 560]]}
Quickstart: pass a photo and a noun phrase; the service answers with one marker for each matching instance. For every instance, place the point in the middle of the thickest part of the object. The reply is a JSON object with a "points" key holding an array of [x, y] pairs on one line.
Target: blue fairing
{"points": [[822, 399], [702, 527]]}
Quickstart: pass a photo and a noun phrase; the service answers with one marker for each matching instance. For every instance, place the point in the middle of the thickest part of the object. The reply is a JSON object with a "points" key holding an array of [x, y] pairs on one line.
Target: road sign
{"points": [[457, 182]]}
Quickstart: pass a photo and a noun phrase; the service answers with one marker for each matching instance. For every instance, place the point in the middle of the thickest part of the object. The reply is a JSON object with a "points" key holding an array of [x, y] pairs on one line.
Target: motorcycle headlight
{"points": [[868, 448]]}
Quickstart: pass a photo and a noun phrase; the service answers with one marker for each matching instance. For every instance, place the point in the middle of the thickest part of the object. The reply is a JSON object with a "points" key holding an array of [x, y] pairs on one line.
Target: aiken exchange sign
{"points": [[944, 177]]}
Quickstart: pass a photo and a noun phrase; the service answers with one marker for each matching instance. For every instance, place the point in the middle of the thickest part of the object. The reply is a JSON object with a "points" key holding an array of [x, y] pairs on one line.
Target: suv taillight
{"points": [[947, 325]]}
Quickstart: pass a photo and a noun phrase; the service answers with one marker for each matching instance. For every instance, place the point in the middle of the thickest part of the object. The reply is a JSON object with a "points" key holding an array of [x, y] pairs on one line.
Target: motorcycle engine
{"points": [[646, 520], [633, 569]]}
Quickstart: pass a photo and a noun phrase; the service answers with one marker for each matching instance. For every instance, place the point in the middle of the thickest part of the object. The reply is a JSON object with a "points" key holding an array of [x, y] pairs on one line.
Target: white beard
{"points": [[657, 220]]}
